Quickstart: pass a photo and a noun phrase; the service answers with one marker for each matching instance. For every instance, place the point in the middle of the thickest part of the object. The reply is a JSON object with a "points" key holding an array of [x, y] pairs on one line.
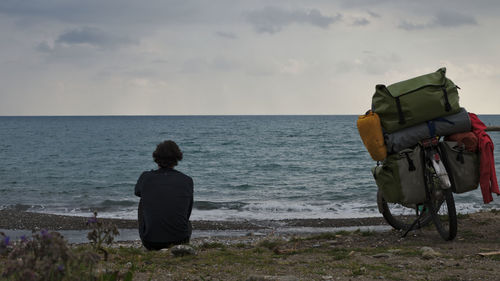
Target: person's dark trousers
{"points": [[154, 246]]}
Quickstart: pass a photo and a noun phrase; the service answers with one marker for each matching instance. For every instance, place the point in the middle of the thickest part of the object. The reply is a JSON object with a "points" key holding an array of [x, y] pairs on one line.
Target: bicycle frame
{"points": [[438, 197]]}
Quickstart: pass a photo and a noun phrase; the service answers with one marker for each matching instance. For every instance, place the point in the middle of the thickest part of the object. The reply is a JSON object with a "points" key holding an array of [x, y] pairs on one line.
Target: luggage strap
{"points": [[411, 166], [447, 105], [400, 112], [460, 157], [431, 125]]}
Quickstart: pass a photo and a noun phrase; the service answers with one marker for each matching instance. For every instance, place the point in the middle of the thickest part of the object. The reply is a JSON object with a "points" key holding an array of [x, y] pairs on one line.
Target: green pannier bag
{"points": [[401, 177], [462, 166], [411, 102]]}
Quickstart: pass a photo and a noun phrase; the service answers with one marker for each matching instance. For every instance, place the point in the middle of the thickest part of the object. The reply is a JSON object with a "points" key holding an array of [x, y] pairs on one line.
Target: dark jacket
{"points": [[166, 204]]}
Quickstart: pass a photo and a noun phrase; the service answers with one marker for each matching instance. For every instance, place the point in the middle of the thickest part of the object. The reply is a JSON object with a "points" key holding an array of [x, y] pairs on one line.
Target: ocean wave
{"points": [[279, 211], [267, 166], [241, 186], [114, 185], [16, 207], [117, 203], [230, 142], [280, 207], [209, 205]]}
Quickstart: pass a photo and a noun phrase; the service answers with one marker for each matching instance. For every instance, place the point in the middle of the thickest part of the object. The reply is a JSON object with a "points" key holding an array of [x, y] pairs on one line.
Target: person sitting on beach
{"points": [[166, 201]]}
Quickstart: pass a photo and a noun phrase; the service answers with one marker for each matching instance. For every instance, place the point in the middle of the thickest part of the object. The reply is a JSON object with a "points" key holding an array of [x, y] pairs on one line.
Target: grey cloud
{"points": [[489, 6], [118, 12], [447, 18], [442, 19], [92, 36], [315, 17], [274, 19], [364, 3], [373, 14], [227, 35], [44, 47], [33, 11], [83, 46], [361, 22], [411, 26]]}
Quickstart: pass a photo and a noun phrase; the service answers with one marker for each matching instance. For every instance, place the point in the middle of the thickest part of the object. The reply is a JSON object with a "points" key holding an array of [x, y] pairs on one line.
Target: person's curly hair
{"points": [[167, 154]]}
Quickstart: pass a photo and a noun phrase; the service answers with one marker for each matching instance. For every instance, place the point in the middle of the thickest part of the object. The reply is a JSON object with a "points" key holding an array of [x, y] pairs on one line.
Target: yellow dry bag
{"points": [[370, 131]]}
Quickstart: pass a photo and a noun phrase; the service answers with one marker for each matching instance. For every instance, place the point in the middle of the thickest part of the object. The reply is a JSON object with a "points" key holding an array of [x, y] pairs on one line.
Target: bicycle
{"points": [[439, 205]]}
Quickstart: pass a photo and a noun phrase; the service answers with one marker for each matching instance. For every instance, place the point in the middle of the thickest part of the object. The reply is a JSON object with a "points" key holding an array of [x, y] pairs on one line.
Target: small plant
{"points": [[5, 244], [100, 233], [212, 245], [46, 256], [358, 270], [270, 244], [338, 253], [367, 233], [321, 236]]}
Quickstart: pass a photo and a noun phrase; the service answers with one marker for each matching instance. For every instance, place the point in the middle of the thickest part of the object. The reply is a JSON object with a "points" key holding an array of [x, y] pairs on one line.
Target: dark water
{"points": [[244, 167]]}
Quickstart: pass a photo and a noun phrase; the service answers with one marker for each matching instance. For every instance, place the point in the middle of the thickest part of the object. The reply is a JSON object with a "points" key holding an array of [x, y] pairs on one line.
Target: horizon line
{"points": [[197, 115], [175, 115]]}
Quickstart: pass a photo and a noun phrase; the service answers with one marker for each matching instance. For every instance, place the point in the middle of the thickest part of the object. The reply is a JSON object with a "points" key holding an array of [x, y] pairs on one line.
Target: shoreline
{"points": [[15, 220], [266, 254], [74, 228]]}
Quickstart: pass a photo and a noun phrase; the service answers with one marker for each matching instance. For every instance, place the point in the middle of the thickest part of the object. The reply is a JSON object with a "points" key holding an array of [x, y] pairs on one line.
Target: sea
{"points": [[243, 167]]}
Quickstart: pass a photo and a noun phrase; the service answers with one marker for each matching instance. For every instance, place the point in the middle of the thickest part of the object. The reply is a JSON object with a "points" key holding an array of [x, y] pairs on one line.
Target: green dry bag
{"points": [[462, 166], [410, 102], [400, 178]]}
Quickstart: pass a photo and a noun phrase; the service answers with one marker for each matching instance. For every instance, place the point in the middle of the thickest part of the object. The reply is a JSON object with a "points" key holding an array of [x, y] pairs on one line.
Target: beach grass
{"points": [[307, 258], [336, 255], [304, 257]]}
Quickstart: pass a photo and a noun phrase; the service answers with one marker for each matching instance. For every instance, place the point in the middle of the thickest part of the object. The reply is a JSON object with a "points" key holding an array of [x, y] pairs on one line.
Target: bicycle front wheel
{"points": [[444, 214], [403, 217]]}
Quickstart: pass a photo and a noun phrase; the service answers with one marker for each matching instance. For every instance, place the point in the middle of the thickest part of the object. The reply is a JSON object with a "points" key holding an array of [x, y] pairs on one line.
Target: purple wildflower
{"points": [[23, 238], [60, 267], [45, 233], [92, 220]]}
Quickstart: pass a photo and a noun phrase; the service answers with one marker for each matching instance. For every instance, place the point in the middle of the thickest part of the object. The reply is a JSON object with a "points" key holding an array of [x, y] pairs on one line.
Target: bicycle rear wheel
{"points": [[444, 213], [402, 217]]}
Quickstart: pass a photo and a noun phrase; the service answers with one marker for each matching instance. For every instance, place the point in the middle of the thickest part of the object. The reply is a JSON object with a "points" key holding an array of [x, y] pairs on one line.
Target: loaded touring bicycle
{"points": [[436, 198], [425, 149]]}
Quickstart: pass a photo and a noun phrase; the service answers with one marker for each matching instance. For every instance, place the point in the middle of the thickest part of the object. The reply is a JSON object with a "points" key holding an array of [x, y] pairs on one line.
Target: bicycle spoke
{"points": [[444, 217], [402, 217]]}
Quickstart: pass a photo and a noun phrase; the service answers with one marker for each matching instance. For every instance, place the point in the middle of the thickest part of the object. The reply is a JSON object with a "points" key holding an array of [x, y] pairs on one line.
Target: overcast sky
{"points": [[159, 57]]}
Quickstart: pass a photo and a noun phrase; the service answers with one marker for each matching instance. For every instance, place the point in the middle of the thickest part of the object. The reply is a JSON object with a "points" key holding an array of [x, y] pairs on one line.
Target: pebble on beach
{"points": [[182, 250]]}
